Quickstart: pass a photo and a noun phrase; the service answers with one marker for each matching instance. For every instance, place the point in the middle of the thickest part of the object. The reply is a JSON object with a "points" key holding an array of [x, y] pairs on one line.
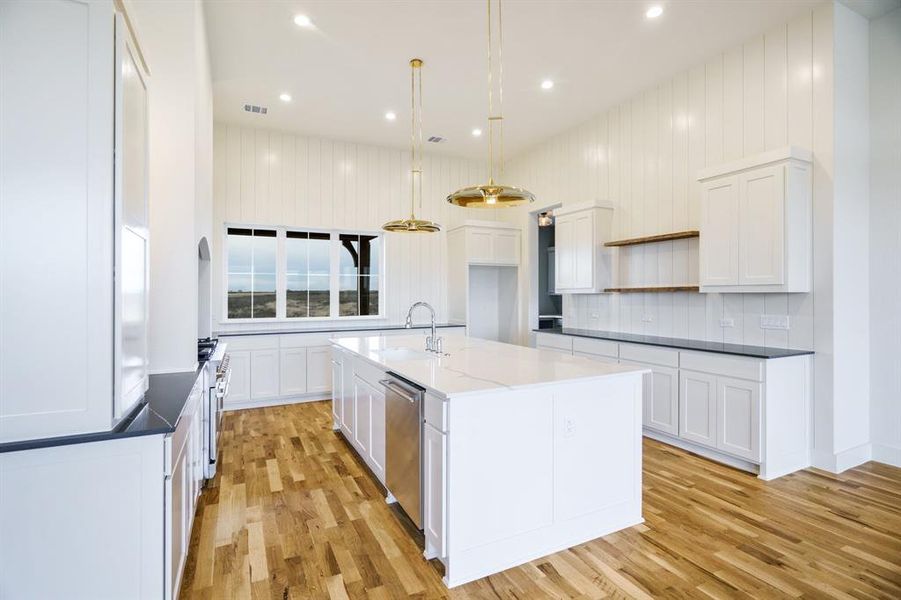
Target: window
{"points": [[281, 273], [251, 273], [359, 275]]}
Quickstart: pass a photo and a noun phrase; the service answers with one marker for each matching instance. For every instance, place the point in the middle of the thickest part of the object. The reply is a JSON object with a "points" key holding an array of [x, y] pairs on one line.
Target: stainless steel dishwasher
{"points": [[403, 441]]}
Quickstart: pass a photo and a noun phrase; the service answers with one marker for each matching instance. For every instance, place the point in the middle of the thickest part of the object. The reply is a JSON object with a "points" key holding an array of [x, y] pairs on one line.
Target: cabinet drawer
{"points": [[304, 340], [251, 342], [436, 412], [723, 364], [649, 354], [598, 347], [553, 340]]}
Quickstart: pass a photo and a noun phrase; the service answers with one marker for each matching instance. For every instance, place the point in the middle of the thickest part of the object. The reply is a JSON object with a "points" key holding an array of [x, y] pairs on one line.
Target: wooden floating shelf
{"points": [[652, 290], [662, 237]]}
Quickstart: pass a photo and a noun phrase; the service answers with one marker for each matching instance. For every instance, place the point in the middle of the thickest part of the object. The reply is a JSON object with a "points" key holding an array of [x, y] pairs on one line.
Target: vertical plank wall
{"points": [[263, 177], [642, 156]]}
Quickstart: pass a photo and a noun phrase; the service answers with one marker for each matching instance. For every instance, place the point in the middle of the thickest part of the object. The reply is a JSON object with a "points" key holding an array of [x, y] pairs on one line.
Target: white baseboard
{"points": [[276, 401], [844, 460], [710, 453], [890, 455]]}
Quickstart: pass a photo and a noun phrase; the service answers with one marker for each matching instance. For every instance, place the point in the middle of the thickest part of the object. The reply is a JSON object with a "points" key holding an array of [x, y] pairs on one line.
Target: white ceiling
{"points": [[353, 67]]}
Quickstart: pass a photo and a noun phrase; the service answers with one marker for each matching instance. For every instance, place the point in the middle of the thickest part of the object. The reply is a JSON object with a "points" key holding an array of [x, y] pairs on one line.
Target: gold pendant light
{"points": [[492, 194], [414, 225]]}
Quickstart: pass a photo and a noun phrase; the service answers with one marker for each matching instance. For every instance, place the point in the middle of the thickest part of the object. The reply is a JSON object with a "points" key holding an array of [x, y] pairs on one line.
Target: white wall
{"points": [[267, 177], [885, 241], [642, 156], [170, 34]]}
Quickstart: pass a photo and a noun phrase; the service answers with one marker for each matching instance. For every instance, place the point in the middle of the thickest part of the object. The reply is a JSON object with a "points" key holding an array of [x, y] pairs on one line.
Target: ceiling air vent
{"points": [[437, 139], [253, 108]]}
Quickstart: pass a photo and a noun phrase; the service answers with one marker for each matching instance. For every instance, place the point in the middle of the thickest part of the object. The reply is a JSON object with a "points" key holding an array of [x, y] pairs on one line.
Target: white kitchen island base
{"points": [[525, 452]]}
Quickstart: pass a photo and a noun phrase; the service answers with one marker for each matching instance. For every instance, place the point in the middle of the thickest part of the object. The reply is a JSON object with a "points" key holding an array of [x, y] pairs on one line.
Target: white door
{"points": [[362, 407], [319, 373], [738, 412], [264, 374], [377, 436], [337, 405], [293, 379], [348, 419], [719, 232], [762, 215], [434, 444], [564, 252], [697, 408], [661, 399], [583, 246], [506, 247], [239, 386]]}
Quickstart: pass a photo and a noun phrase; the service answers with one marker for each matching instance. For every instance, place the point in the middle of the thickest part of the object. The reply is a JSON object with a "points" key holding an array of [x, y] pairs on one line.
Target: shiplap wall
{"points": [[264, 177], [642, 157]]}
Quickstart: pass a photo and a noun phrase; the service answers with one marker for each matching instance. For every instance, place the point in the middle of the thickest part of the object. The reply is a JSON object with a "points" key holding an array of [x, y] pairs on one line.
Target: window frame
{"points": [[281, 274]]}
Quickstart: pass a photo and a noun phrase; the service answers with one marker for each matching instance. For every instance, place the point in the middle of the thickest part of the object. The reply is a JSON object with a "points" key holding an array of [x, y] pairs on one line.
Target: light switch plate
{"points": [[647, 319], [729, 322], [774, 322]]}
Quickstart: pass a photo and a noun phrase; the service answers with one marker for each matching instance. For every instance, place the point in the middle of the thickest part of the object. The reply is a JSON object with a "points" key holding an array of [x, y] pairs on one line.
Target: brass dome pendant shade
{"points": [[414, 225], [493, 194]]}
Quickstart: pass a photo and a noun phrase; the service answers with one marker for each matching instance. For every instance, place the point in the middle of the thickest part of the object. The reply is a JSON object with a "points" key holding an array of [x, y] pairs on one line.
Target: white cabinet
{"points": [[264, 374], [756, 224], [582, 264], [337, 388], [488, 242], [738, 417], [554, 341], [369, 426], [434, 453], [697, 410], [239, 385], [318, 371], [661, 399], [294, 372]]}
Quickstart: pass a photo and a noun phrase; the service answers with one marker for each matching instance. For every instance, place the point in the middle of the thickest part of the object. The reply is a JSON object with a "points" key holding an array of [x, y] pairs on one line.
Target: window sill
{"points": [[298, 320]]}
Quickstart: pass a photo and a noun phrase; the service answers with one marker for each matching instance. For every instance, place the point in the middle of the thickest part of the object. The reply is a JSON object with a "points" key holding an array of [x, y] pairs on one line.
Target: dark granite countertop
{"points": [[158, 414], [335, 329], [679, 343]]}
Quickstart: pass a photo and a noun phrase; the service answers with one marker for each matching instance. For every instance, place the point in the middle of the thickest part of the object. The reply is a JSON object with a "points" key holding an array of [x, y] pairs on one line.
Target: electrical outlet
{"points": [[727, 322], [569, 427], [647, 319], [774, 322]]}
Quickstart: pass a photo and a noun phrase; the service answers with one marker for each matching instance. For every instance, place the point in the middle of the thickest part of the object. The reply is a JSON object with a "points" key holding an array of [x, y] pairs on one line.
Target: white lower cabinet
{"points": [[697, 408], [738, 417], [264, 378], [362, 404], [239, 385], [318, 372], [434, 452], [293, 371], [661, 399], [337, 388]]}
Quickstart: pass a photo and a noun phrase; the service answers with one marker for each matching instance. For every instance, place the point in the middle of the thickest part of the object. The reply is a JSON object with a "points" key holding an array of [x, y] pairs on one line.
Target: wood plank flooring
{"points": [[293, 514]]}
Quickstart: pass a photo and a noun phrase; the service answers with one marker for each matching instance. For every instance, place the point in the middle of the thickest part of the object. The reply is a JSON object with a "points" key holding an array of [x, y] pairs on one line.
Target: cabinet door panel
{"points": [[348, 418], [264, 374], [293, 380], [583, 236], [564, 251], [480, 246], [506, 247], [719, 232], [176, 533], [434, 445], [319, 373], [239, 386], [362, 406], [697, 407], [661, 400], [738, 411], [377, 437], [762, 214], [337, 383]]}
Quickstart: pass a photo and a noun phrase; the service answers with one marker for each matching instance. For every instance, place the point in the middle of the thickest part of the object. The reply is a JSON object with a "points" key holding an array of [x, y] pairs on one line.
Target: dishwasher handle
{"points": [[403, 392]]}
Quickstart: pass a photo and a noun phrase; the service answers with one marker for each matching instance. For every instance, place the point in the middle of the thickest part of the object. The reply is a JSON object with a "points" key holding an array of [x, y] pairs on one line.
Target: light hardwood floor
{"points": [[293, 514]]}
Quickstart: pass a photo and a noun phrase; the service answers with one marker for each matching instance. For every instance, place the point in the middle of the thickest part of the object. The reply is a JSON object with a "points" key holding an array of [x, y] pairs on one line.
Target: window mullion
{"points": [[281, 262], [334, 284]]}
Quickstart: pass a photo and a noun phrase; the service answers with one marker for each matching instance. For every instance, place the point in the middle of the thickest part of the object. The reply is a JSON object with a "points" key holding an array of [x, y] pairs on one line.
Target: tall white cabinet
{"points": [[582, 264], [756, 224], [72, 209]]}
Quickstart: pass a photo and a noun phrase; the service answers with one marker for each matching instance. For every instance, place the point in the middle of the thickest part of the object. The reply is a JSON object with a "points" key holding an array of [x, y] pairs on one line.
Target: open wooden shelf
{"points": [[654, 289], [662, 237]]}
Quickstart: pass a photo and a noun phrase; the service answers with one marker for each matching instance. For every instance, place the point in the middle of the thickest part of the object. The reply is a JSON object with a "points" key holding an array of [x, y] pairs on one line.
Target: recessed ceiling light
{"points": [[303, 21], [477, 132], [390, 115], [285, 97], [547, 84], [654, 12]]}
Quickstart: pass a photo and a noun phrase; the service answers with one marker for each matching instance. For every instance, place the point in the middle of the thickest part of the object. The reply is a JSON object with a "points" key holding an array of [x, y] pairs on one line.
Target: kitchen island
{"points": [[525, 452]]}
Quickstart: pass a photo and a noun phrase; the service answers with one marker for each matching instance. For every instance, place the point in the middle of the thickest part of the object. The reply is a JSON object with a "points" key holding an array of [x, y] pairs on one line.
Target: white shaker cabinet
{"points": [[738, 417], [337, 388], [488, 242], [239, 385], [318, 372], [582, 264], [264, 378], [697, 411], [293, 380], [756, 224], [661, 399], [434, 453]]}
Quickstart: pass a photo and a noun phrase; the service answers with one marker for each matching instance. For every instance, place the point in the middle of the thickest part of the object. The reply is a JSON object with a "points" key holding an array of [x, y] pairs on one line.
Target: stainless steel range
{"points": [[219, 377]]}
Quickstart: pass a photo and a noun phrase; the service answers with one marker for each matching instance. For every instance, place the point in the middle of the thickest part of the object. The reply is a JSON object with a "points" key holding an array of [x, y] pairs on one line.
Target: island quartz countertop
{"points": [[474, 365]]}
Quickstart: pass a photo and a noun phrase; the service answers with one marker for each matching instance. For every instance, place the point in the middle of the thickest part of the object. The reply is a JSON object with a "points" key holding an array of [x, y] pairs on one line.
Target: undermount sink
{"points": [[405, 354]]}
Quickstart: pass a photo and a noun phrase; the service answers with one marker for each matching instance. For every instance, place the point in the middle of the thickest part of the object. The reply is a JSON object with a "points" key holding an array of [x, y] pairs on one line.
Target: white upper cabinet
{"points": [[582, 264], [756, 228], [57, 90], [488, 242]]}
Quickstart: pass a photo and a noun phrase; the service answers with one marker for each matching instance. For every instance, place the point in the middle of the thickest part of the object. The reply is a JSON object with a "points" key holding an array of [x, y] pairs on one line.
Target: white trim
{"points": [[703, 451], [757, 160], [486, 224], [572, 208], [890, 455], [844, 460], [315, 397]]}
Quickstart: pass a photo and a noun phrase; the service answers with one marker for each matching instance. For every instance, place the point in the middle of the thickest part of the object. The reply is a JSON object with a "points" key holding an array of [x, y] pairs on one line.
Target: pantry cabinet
{"points": [[582, 264], [487, 242], [756, 224]]}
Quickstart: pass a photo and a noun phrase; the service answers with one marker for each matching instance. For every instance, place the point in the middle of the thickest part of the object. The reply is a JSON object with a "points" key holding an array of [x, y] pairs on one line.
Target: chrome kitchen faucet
{"points": [[433, 343]]}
